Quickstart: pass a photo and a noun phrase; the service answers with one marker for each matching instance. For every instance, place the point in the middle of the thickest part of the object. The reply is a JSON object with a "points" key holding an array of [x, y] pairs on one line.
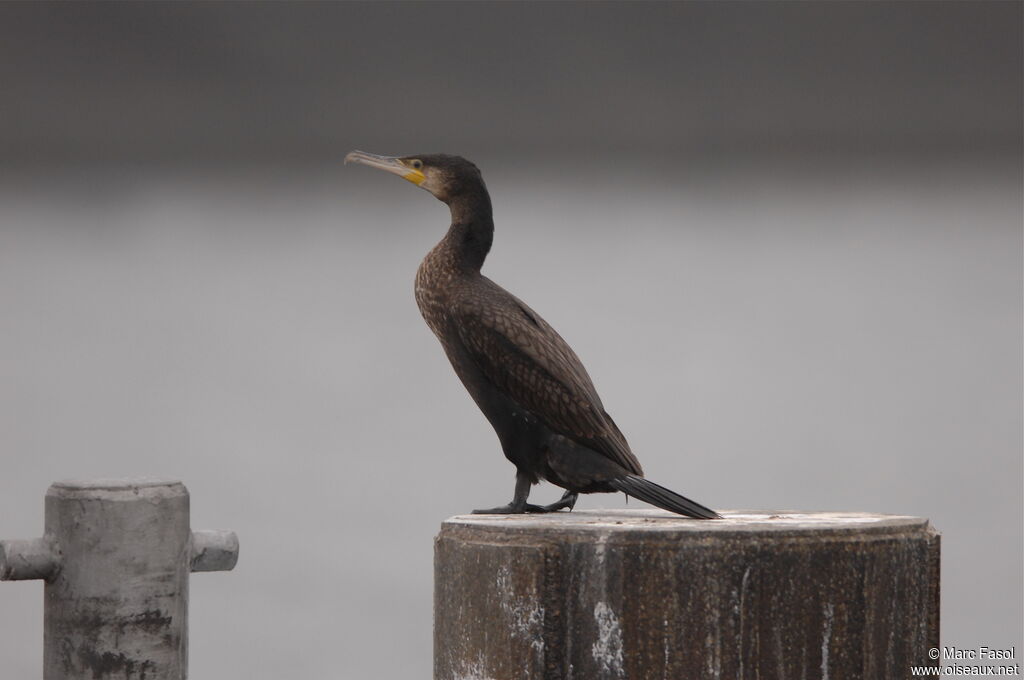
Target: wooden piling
{"points": [[645, 595]]}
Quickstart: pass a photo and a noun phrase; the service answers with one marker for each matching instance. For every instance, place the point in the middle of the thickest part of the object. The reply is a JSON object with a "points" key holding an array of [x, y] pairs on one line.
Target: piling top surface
{"points": [[658, 523], [127, 488]]}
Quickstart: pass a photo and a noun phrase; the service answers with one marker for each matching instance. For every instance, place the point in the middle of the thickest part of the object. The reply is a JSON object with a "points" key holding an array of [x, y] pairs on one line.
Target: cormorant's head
{"points": [[446, 177]]}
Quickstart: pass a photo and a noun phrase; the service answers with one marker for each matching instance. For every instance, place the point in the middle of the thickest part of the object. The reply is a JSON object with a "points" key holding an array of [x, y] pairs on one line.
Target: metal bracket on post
{"points": [[116, 554], [29, 560], [214, 550]]}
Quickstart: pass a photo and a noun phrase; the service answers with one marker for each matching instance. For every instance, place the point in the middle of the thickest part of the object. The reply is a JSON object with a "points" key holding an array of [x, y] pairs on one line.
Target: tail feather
{"points": [[659, 496]]}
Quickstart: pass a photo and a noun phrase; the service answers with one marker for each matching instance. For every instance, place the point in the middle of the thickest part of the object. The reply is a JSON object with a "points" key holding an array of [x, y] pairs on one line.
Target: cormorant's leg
{"points": [[568, 500], [518, 505]]}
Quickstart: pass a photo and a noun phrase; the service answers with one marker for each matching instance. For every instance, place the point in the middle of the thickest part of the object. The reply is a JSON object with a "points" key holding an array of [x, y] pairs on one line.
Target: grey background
{"points": [[784, 238]]}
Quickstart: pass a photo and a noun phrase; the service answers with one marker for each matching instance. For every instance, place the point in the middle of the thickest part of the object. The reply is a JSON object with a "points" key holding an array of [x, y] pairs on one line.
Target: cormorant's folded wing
{"points": [[526, 359]]}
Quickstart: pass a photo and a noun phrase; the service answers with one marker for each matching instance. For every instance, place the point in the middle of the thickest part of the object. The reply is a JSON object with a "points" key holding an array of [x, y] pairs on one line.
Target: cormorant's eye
{"points": [[417, 164]]}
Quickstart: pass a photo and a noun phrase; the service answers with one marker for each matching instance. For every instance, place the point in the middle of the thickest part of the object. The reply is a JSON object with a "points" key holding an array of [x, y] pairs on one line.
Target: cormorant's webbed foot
{"points": [[510, 509], [568, 500], [519, 505]]}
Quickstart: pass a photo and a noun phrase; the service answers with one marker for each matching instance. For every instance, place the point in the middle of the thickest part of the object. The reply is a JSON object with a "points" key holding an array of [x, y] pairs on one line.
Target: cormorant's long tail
{"points": [[659, 496]]}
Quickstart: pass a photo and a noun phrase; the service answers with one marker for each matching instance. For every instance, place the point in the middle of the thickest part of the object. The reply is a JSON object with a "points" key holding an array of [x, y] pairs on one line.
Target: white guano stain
{"points": [[665, 639], [473, 671], [607, 651], [599, 546], [826, 639], [713, 639], [742, 611], [525, 617]]}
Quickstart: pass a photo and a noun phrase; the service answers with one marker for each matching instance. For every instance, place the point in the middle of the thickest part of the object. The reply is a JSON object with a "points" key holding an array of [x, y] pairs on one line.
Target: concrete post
{"points": [[644, 595], [116, 556]]}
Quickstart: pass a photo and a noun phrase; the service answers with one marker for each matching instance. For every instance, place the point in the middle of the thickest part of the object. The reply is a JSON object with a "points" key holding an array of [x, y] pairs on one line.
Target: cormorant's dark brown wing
{"points": [[526, 359]]}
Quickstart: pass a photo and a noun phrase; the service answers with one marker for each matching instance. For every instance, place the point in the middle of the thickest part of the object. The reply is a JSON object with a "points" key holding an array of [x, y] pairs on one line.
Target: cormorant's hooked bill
{"points": [[525, 378], [392, 164]]}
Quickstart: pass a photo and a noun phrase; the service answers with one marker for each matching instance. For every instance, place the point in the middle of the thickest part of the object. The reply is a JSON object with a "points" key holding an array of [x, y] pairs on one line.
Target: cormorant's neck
{"points": [[472, 230]]}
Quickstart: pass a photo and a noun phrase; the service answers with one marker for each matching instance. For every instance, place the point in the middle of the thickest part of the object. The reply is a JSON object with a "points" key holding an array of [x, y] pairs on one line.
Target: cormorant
{"points": [[527, 381]]}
